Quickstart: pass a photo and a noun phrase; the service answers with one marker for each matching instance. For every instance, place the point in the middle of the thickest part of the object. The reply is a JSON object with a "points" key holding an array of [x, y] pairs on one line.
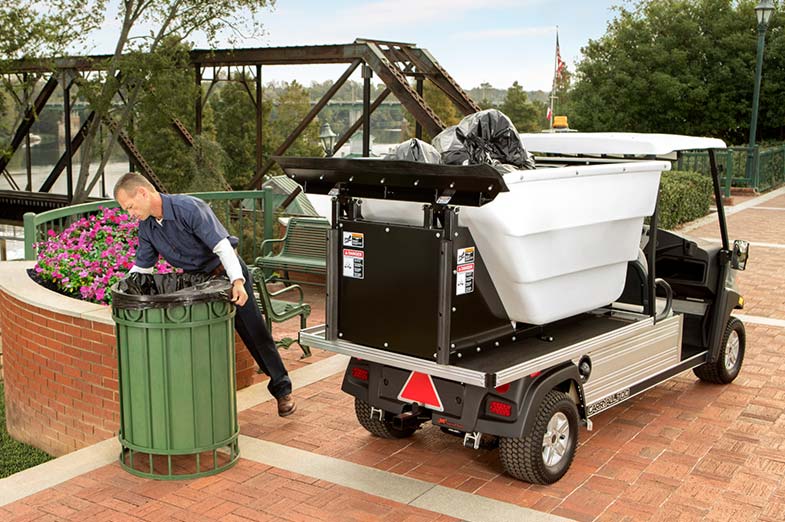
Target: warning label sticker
{"points": [[465, 255], [353, 263], [464, 281], [353, 239]]}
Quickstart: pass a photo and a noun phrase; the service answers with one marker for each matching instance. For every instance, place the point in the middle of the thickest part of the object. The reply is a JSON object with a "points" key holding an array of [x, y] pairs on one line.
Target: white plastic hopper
{"points": [[558, 243]]}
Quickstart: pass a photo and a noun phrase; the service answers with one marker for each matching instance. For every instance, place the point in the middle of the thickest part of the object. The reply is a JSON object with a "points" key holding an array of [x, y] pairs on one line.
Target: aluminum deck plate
{"points": [[572, 339]]}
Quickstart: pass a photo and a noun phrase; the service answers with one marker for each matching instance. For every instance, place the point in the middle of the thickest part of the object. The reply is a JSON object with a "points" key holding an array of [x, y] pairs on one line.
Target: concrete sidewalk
{"points": [[683, 450]]}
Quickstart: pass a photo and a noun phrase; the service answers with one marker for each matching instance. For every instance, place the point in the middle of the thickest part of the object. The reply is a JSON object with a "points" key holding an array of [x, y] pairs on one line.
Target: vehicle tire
{"points": [[380, 428], [544, 455], [731, 357]]}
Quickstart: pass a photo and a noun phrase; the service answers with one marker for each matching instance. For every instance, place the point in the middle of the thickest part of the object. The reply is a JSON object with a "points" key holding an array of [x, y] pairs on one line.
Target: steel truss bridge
{"points": [[394, 63]]}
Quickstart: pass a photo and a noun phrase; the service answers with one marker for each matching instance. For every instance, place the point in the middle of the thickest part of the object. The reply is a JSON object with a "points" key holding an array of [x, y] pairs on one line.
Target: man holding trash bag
{"points": [[186, 232]]}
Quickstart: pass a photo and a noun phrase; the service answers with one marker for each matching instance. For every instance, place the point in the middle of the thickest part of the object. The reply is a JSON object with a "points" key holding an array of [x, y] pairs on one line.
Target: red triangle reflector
{"points": [[419, 388]]}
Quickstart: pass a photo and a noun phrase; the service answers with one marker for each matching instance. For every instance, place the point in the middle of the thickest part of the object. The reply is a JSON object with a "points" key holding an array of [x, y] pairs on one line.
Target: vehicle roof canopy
{"points": [[618, 143]]}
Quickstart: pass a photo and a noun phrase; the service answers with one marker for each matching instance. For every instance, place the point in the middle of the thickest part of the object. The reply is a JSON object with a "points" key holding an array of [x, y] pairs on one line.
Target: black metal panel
{"points": [[396, 301], [470, 185], [478, 317], [395, 305]]}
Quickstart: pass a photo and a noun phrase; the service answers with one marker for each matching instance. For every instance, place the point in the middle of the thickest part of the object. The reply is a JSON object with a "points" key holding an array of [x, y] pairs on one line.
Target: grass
{"points": [[15, 456]]}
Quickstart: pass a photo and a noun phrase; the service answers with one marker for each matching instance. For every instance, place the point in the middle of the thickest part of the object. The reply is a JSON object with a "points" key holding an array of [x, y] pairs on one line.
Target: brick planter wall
{"points": [[60, 367]]}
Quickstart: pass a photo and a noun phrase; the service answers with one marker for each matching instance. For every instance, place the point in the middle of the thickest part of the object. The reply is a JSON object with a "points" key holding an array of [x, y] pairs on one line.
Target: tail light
{"points": [[361, 374], [500, 408]]}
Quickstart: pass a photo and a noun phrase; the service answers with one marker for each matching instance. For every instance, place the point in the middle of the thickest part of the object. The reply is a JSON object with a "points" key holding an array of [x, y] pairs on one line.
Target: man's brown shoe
{"points": [[286, 405]]}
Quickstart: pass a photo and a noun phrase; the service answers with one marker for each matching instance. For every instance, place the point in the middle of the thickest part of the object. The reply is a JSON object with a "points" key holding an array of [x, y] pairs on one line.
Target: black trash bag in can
{"points": [[139, 291]]}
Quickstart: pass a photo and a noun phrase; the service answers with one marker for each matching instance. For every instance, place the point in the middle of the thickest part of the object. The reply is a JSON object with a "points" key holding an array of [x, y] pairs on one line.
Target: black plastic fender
{"points": [[727, 303], [560, 377]]}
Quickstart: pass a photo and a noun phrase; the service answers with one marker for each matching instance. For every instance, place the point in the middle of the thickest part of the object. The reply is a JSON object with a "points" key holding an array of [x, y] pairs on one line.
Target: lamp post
{"points": [[763, 13], [327, 137]]}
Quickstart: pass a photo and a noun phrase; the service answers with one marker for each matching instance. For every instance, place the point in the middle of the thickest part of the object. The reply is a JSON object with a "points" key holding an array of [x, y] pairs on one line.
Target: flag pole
{"points": [[553, 84]]}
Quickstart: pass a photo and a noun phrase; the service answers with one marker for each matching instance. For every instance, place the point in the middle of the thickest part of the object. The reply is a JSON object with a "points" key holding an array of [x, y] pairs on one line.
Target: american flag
{"points": [[560, 65]]}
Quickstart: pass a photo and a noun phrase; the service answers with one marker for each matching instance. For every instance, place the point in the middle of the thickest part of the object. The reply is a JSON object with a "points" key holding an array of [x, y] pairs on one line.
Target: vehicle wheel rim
{"points": [[732, 350], [556, 439]]}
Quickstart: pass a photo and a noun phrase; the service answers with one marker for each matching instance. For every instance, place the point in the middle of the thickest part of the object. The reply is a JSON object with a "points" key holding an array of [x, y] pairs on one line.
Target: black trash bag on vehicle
{"points": [[450, 147], [487, 136], [139, 291], [415, 150]]}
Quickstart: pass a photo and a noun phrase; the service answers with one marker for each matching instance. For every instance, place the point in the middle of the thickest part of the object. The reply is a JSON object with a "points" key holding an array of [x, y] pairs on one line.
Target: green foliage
{"points": [[684, 196], [15, 456], [681, 66], [39, 29], [293, 104], [235, 125], [169, 92], [34, 30], [167, 22], [487, 96], [520, 110], [441, 104]]}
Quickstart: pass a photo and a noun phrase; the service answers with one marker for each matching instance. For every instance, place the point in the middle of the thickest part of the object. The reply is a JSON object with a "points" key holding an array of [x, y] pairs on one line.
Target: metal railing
{"points": [[241, 212], [768, 169]]}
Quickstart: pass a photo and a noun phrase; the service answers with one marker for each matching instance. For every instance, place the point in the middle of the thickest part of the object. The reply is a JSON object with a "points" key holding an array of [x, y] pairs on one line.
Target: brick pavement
{"points": [[765, 226], [248, 491], [656, 455], [683, 450]]}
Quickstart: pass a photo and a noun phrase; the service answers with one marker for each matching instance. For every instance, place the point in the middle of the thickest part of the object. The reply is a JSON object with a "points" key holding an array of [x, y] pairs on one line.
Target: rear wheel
{"points": [[728, 364], [380, 428], [544, 455]]}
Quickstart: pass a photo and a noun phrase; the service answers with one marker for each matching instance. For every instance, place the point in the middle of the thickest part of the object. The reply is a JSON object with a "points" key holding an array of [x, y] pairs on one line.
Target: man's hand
{"points": [[239, 295]]}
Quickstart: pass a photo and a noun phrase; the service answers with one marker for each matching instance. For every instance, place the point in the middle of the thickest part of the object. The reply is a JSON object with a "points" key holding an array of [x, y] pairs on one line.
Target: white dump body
{"points": [[557, 244]]}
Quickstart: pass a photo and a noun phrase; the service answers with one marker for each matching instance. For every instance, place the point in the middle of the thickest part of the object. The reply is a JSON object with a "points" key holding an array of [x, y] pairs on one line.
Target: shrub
{"points": [[684, 196], [92, 254]]}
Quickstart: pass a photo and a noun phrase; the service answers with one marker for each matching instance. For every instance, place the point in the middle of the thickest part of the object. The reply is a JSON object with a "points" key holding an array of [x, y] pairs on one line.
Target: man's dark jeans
{"points": [[249, 324]]}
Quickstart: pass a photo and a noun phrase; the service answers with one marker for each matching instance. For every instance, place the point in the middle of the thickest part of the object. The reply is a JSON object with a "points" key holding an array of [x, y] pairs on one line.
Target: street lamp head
{"points": [[327, 137], [763, 11]]}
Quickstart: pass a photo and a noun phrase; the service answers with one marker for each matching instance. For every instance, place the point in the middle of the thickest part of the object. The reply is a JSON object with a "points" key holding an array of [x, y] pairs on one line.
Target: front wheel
{"points": [[381, 428], [544, 455], [728, 364]]}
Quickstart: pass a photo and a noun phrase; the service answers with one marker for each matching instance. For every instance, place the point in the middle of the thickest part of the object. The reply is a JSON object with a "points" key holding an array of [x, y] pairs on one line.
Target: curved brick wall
{"points": [[60, 365]]}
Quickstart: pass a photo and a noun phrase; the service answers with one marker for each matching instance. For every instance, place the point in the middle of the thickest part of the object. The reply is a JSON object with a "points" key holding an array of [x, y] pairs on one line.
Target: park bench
{"points": [[303, 249], [279, 310]]}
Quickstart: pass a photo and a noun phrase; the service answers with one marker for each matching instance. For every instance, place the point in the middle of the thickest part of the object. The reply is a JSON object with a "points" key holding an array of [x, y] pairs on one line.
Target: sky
{"points": [[494, 41]]}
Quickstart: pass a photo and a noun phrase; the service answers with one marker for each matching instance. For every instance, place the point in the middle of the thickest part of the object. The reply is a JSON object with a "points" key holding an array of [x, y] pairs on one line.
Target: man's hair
{"points": [[131, 181]]}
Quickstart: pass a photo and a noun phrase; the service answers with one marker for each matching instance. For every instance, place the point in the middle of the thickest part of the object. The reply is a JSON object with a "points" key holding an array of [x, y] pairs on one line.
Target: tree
{"points": [[165, 20], [171, 95], [34, 30], [520, 110], [235, 126], [235, 129], [291, 107], [680, 66], [441, 104]]}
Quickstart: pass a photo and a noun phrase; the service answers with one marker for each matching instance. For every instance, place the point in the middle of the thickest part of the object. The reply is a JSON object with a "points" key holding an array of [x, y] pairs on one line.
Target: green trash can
{"points": [[176, 368]]}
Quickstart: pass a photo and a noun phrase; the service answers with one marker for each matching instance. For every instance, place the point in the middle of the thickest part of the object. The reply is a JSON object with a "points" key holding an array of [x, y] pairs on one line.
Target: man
{"points": [[185, 231]]}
